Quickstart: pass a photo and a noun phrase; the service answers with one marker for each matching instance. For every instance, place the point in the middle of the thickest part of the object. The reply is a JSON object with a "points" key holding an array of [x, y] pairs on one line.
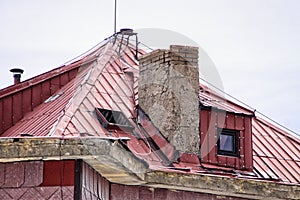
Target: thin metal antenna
{"points": [[115, 23]]}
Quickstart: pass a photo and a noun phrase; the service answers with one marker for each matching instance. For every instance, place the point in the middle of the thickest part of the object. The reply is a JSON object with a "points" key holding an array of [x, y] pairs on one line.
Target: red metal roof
{"points": [[210, 98], [103, 80], [276, 153]]}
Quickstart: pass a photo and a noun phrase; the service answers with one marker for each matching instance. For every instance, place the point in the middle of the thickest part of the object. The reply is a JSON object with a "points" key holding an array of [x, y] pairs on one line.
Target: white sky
{"points": [[254, 44]]}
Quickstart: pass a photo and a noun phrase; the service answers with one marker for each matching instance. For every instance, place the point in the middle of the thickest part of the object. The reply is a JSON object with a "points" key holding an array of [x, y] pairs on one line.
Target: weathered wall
{"points": [[37, 180], [94, 186], [168, 93], [120, 192]]}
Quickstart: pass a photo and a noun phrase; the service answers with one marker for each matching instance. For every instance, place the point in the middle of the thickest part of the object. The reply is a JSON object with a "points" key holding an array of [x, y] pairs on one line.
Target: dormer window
{"points": [[226, 139], [228, 142]]}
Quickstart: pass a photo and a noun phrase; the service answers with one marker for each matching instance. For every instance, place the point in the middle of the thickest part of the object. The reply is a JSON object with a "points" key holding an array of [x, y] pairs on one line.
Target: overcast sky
{"points": [[254, 44]]}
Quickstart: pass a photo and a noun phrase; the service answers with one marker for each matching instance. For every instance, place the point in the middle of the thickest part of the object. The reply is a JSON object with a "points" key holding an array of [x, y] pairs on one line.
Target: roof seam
{"points": [[276, 141], [102, 54], [277, 158]]}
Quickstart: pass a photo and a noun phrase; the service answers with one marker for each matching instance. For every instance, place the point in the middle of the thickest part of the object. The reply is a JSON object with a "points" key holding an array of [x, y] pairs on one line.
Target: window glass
{"points": [[228, 142]]}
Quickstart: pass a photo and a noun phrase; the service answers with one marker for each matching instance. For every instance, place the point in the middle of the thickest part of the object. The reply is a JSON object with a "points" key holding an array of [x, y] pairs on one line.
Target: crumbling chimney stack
{"points": [[169, 94]]}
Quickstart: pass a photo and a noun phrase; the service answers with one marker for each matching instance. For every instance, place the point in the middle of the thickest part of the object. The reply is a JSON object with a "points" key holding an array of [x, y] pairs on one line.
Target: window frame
{"points": [[235, 141], [116, 121]]}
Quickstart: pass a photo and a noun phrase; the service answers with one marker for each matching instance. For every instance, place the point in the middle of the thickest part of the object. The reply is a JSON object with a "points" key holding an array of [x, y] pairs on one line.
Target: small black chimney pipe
{"points": [[17, 74]]}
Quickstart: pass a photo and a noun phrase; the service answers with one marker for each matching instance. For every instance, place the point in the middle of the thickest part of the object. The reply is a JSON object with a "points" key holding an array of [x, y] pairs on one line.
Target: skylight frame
{"points": [[113, 120]]}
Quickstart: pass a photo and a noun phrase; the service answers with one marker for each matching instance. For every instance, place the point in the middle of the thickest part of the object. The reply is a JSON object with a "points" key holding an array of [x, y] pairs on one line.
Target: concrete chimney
{"points": [[17, 74], [169, 94]]}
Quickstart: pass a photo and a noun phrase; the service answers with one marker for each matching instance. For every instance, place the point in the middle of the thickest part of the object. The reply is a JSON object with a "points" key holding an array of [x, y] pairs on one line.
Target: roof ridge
{"points": [[83, 90]]}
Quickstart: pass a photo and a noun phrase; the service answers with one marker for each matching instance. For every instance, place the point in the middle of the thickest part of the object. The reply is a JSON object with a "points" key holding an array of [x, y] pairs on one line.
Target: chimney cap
{"points": [[17, 71], [127, 31]]}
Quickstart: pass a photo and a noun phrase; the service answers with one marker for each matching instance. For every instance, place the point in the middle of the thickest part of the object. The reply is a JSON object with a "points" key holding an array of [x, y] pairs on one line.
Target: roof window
{"points": [[113, 120], [228, 142]]}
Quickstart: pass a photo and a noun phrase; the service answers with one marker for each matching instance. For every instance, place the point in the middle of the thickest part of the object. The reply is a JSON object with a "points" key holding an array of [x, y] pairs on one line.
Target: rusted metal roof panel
{"points": [[103, 81]]}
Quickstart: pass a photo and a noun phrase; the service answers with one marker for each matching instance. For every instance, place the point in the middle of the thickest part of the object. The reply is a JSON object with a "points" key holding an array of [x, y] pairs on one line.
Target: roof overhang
{"points": [[117, 164], [105, 155]]}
